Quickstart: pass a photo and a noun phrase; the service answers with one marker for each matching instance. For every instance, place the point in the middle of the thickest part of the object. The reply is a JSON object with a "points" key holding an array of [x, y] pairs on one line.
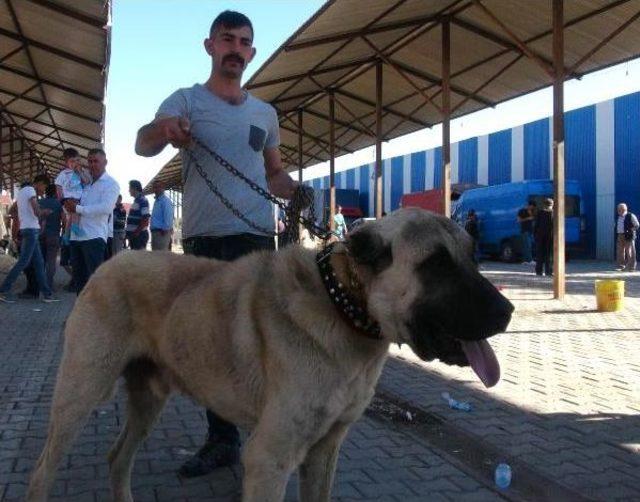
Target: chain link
{"points": [[302, 198]]}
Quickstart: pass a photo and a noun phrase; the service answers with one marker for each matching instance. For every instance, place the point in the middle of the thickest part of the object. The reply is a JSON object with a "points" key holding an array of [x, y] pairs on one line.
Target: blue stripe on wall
{"points": [[627, 151], [536, 150], [325, 181], [580, 163], [437, 169], [316, 183], [351, 178], [397, 178], [418, 165], [339, 179], [364, 189], [468, 161], [500, 157]]}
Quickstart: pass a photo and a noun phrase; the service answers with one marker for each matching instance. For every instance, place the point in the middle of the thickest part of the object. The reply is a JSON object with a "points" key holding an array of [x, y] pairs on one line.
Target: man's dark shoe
{"points": [[210, 457]]}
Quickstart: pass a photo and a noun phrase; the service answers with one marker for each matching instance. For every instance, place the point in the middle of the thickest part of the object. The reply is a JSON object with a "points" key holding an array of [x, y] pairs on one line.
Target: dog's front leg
{"points": [[269, 457], [318, 468]]}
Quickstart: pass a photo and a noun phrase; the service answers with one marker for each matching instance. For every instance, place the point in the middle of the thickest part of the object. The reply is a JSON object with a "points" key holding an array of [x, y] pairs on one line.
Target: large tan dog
{"points": [[272, 342]]}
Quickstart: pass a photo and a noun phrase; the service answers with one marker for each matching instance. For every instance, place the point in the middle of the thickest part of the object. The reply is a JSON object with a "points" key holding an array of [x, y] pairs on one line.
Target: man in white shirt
{"points": [[29, 213], [95, 207], [626, 230]]}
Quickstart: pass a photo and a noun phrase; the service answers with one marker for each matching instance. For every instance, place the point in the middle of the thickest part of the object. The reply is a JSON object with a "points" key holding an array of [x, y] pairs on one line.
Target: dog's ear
{"points": [[367, 247]]}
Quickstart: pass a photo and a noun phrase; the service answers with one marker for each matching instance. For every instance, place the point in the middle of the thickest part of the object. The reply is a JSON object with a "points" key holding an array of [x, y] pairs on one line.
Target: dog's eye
{"points": [[438, 260]]}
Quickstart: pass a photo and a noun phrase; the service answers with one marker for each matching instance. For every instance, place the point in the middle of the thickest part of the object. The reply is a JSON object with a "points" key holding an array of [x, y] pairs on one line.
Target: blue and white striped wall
{"points": [[602, 152]]}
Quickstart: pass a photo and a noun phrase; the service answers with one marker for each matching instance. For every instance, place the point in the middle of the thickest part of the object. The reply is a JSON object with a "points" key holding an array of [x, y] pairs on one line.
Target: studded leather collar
{"points": [[349, 307]]}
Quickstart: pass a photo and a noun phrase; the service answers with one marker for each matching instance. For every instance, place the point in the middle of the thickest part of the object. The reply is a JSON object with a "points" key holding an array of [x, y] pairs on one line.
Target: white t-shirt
{"points": [[27, 217], [71, 184]]}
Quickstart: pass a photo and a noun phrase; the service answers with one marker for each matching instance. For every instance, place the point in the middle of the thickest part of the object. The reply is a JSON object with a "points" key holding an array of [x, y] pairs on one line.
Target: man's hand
{"points": [[176, 130], [70, 205]]}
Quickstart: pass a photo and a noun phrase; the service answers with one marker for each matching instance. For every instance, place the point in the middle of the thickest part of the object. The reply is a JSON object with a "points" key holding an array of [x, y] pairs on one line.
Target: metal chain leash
{"points": [[302, 198]]}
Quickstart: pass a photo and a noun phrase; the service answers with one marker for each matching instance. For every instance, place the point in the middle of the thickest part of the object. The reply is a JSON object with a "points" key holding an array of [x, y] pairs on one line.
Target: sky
{"points": [[157, 48]]}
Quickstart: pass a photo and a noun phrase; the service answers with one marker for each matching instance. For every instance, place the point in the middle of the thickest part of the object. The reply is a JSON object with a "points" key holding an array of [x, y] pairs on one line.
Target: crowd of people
{"points": [[80, 217]]}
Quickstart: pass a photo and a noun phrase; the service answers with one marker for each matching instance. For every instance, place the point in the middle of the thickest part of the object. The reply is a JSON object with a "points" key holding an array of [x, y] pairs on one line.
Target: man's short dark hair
{"points": [[42, 178], [136, 185], [95, 151], [230, 19], [70, 153], [51, 191]]}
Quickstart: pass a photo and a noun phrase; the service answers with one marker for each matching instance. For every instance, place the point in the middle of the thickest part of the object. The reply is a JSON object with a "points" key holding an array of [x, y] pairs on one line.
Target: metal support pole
{"points": [[22, 161], [300, 145], [12, 171], [446, 114], [378, 186], [1, 162], [558, 152], [332, 160]]}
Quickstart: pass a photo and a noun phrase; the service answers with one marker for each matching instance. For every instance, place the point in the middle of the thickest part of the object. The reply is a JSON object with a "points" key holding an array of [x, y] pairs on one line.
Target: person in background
{"points": [[119, 219], [138, 218], [471, 227], [525, 218], [50, 233], [626, 231], [161, 219], [543, 226], [340, 226], [29, 213], [95, 207], [69, 184]]}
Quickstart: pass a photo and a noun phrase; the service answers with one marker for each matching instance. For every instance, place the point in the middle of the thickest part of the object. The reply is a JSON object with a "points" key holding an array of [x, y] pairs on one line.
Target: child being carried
{"points": [[69, 185]]}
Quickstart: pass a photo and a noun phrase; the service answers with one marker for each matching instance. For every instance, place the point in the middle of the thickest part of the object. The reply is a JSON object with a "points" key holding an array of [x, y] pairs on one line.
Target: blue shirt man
{"points": [[161, 219]]}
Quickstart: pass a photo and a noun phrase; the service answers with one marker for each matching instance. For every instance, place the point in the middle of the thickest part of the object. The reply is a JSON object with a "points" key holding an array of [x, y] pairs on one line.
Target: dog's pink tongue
{"points": [[483, 361]]}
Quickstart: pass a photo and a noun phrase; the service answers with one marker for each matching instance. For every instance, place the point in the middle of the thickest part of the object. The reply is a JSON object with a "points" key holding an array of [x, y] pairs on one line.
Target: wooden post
{"points": [[558, 152], [332, 160], [446, 115], [378, 185], [300, 161]]}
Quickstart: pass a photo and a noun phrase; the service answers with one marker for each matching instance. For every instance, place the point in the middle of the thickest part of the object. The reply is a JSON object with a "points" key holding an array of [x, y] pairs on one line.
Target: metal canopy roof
{"points": [[54, 59], [499, 50]]}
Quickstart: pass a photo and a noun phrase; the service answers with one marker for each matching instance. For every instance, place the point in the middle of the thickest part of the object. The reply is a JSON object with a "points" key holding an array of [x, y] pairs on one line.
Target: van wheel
{"points": [[507, 252]]}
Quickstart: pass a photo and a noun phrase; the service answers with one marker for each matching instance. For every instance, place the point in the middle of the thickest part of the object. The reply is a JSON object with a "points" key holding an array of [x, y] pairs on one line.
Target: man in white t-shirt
{"points": [[29, 213]]}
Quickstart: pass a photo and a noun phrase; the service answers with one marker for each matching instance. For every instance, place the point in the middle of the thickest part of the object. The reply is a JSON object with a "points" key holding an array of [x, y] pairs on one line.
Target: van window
{"points": [[571, 204]]}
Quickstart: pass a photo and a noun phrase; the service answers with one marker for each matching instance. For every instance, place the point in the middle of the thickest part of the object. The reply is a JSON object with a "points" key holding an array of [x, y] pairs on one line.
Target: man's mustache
{"points": [[233, 57]]}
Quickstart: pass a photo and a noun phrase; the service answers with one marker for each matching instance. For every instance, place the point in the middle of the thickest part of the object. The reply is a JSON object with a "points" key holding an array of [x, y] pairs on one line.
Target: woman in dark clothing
{"points": [[543, 232]]}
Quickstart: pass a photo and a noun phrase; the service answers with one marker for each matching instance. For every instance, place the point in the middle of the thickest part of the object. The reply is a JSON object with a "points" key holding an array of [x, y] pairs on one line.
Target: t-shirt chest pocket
{"points": [[257, 138]]}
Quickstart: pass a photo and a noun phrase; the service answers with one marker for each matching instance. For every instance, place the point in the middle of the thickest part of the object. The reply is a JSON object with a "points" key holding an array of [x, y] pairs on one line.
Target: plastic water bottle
{"points": [[455, 404], [503, 476]]}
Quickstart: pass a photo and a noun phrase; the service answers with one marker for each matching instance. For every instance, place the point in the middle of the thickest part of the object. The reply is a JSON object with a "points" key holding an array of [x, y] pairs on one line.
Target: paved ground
{"points": [[566, 415]]}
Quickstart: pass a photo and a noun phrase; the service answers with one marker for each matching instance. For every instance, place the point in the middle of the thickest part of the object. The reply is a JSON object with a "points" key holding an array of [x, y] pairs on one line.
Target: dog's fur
{"points": [[260, 342]]}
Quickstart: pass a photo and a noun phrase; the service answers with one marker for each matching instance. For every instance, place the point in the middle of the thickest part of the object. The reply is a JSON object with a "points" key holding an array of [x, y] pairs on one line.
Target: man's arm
{"points": [[153, 137], [37, 210], [104, 206], [278, 180]]}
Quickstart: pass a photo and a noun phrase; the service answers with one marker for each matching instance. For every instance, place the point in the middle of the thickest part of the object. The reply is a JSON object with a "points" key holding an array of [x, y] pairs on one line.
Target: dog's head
{"points": [[423, 287]]}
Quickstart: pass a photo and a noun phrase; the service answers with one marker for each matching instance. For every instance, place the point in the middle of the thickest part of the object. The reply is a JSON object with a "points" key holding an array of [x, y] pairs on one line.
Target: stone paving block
{"points": [[372, 491]]}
